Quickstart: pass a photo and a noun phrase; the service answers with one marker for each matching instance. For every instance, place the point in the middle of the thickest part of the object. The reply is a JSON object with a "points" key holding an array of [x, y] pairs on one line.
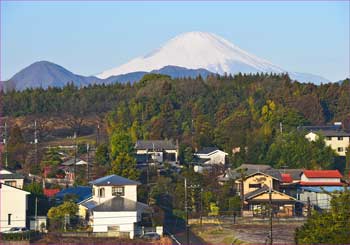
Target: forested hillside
{"points": [[246, 111]]}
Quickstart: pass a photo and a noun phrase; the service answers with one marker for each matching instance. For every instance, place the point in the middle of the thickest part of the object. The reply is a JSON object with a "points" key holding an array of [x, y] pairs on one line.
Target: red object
{"points": [[51, 192], [287, 178], [322, 174], [321, 183]]}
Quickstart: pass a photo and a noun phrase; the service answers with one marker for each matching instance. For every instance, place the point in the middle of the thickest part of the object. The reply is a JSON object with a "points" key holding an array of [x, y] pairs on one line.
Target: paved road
{"points": [[176, 228]]}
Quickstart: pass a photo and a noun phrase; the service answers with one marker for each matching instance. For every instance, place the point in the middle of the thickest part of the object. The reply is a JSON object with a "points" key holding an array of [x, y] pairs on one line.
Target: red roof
{"points": [[287, 178], [322, 174], [321, 183], [51, 192]]}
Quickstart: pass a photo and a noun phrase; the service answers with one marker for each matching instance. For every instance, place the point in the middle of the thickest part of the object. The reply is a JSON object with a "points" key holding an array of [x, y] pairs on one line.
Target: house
{"points": [[212, 155], [160, 151], [13, 204], [321, 178], [259, 181], [113, 207], [334, 136], [13, 179], [80, 192], [257, 187]]}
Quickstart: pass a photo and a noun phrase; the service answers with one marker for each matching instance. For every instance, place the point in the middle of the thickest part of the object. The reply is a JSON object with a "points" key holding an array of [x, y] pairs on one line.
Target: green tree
{"points": [[328, 227], [125, 165], [102, 155], [68, 207], [120, 142]]}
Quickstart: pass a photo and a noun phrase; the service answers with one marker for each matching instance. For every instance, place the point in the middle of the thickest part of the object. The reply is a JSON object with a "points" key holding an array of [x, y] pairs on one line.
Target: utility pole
{"points": [[4, 141], [36, 213], [88, 167], [36, 144], [201, 206], [271, 213], [98, 134], [75, 156], [243, 175], [281, 127], [186, 209]]}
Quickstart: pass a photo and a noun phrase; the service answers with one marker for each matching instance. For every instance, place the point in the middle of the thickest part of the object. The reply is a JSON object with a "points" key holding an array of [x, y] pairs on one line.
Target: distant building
{"points": [[334, 136], [113, 206], [160, 151], [321, 178], [13, 201], [211, 155], [13, 179], [80, 192]]}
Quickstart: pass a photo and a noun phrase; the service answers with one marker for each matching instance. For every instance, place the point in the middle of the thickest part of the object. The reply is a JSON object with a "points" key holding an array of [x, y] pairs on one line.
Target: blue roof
{"points": [[113, 180], [82, 192], [326, 188]]}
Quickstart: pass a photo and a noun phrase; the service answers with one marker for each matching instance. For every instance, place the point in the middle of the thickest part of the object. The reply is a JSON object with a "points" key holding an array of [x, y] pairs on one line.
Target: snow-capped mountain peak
{"points": [[194, 50]]}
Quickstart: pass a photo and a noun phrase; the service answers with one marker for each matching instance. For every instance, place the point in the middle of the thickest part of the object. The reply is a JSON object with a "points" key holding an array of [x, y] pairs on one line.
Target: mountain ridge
{"points": [[195, 50]]}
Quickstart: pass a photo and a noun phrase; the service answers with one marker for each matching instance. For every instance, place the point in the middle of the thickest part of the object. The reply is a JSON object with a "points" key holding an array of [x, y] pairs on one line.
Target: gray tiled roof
{"points": [[256, 192], [294, 173], [207, 150], [253, 169], [113, 180], [334, 133], [155, 144], [11, 176], [116, 204]]}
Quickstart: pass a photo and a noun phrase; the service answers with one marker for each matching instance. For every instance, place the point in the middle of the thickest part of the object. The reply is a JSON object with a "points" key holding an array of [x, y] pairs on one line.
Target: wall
{"points": [[334, 143], [257, 179], [125, 221], [12, 201], [130, 192], [306, 179], [19, 182]]}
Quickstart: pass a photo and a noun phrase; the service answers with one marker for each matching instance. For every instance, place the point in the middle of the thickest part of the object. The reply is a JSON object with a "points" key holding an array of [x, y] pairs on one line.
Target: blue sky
{"points": [[89, 37]]}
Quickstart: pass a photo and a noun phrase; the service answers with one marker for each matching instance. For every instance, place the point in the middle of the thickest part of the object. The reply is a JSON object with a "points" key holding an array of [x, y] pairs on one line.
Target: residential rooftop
{"points": [[113, 180], [155, 144]]}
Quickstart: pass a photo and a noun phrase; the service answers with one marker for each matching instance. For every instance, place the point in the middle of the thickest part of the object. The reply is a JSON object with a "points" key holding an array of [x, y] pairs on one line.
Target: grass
{"points": [[214, 235]]}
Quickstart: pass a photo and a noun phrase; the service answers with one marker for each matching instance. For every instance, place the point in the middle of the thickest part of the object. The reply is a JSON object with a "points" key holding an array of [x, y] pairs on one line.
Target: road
{"points": [[176, 229]]}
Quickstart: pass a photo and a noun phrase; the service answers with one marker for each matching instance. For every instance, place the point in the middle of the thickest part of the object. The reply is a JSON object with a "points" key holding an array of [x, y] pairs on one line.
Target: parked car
{"points": [[151, 236], [16, 230]]}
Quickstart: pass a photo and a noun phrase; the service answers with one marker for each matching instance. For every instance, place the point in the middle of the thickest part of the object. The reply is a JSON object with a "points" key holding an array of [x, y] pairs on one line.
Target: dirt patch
{"points": [[246, 233]]}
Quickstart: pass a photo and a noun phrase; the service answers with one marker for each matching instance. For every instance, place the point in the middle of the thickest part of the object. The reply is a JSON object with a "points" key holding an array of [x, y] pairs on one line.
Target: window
{"points": [[11, 183], [340, 149], [9, 219], [328, 138], [118, 191], [340, 138], [254, 185], [101, 192]]}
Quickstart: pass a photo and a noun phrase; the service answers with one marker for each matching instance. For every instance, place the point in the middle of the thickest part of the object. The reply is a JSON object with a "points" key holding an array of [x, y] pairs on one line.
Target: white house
{"points": [[212, 155], [113, 207], [321, 178], [12, 179], [156, 151], [13, 207], [334, 136]]}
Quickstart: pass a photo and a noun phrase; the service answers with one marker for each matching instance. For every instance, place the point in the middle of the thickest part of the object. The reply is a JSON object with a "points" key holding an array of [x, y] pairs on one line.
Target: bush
{"points": [[19, 236]]}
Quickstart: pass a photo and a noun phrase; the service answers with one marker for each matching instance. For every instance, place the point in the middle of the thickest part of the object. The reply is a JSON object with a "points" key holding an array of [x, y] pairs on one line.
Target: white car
{"points": [[16, 230]]}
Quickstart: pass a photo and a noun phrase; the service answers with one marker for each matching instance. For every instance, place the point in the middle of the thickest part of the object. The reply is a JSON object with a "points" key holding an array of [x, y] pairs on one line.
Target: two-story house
{"points": [[160, 151], [212, 155], [113, 207], [13, 201], [334, 136], [257, 181]]}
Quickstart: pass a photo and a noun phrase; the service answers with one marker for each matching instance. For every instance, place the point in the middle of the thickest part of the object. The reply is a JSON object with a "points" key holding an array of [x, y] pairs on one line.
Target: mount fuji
{"points": [[202, 50]]}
